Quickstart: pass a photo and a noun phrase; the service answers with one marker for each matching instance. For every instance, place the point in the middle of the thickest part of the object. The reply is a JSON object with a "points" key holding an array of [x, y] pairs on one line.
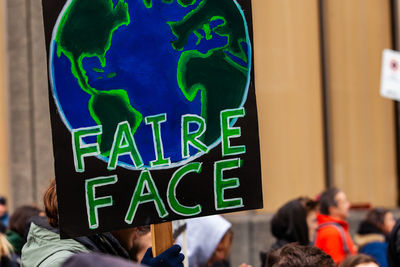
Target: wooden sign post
{"points": [[161, 237]]}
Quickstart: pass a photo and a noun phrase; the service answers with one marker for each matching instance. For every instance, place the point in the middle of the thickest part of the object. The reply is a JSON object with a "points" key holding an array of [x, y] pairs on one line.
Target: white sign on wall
{"points": [[390, 76]]}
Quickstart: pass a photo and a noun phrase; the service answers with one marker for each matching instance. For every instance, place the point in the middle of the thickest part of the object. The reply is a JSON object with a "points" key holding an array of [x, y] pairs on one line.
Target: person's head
{"points": [[333, 202], [124, 236], [381, 218], [209, 240], [223, 249], [20, 217], [50, 204], [294, 255], [359, 260], [295, 221], [128, 236], [3, 206], [140, 246], [311, 219]]}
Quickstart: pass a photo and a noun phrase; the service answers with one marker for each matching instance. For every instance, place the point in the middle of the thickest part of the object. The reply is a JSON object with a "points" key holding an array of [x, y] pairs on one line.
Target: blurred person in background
{"points": [[3, 211], [209, 241], [359, 260], [332, 234], [373, 233], [295, 221], [18, 224], [295, 255]]}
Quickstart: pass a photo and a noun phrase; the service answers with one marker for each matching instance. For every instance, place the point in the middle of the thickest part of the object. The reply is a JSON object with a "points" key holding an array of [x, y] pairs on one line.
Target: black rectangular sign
{"points": [[153, 111]]}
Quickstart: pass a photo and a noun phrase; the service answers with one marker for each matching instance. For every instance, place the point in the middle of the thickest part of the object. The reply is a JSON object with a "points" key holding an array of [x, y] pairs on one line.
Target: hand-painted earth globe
{"points": [[124, 60]]}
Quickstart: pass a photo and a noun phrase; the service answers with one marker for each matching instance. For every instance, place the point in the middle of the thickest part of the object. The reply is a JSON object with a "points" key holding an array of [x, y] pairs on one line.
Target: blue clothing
{"points": [[372, 241], [169, 258], [4, 219], [378, 250]]}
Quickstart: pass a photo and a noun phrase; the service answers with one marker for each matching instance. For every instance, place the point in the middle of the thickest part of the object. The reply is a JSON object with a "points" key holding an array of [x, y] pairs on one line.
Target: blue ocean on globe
{"points": [[141, 61]]}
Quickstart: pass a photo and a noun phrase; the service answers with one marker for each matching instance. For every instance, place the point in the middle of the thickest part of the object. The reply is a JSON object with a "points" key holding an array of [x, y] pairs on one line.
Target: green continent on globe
{"points": [[184, 3], [104, 110], [221, 81], [209, 10], [85, 30]]}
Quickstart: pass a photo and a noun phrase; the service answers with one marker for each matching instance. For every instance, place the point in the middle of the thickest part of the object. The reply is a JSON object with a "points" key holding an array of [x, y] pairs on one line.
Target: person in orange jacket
{"points": [[332, 234]]}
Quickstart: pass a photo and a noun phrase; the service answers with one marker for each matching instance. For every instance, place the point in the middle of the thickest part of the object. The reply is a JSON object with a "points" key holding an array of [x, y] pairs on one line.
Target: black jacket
{"points": [[394, 246]]}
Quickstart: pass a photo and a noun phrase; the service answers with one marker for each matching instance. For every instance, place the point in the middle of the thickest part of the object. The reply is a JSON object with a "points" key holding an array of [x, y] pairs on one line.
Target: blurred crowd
{"points": [[308, 231]]}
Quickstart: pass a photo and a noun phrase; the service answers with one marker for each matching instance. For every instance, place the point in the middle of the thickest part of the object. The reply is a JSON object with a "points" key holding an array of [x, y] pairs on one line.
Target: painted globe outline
{"points": [[192, 157]]}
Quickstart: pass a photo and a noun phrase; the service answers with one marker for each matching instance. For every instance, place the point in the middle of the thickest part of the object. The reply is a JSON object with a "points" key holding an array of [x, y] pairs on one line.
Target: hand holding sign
{"points": [[169, 258]]}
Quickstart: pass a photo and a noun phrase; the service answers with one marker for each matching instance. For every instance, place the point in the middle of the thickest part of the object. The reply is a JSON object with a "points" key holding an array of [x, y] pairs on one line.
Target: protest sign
{"points": [[153, 111]]}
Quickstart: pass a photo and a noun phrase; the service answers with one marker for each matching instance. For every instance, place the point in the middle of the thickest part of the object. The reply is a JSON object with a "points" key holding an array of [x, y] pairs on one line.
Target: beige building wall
{"points": [[290, 68], [289, 88], [361, 122], [31, 155], [4, 162]]}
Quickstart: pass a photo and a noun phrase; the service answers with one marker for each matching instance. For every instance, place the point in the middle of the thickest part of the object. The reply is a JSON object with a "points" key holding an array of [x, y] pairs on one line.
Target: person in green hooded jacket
{"points": [[45, 248]]}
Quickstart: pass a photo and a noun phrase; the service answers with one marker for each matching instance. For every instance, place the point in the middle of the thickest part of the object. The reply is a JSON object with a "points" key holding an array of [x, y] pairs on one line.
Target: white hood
{"points": [[203, 237]]}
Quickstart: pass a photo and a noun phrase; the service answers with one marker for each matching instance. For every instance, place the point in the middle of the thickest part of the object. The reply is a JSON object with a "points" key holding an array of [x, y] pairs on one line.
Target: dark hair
{"points": [[50, 204], [290, 222], [3, 201], [20, 217], [327, 200], [308, 203], [354, 260], [295, 255], [377, 216]]}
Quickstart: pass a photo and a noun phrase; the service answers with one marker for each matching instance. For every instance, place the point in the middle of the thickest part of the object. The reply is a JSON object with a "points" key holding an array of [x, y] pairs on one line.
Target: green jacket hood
{"points": [[44, 248]]}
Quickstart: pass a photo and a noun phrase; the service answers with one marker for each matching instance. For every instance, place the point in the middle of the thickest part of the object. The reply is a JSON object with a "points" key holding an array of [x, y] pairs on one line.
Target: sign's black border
{"points": [[70, 185]]}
